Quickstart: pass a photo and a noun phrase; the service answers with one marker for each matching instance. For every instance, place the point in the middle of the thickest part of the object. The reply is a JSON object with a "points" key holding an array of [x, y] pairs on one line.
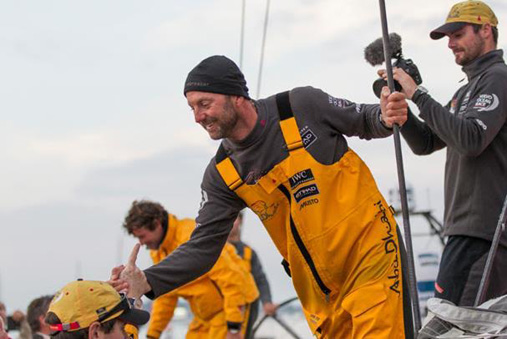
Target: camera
{"points": [[408, 66], [374, 55]]}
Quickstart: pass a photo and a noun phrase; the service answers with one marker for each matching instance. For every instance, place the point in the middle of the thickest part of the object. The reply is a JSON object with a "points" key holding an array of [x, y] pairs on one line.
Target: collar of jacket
{"points": [[170, 232], [482, 63]]}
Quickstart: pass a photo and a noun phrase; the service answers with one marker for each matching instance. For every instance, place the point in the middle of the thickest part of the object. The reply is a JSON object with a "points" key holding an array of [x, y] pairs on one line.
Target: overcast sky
{"points": [[93, 115]]}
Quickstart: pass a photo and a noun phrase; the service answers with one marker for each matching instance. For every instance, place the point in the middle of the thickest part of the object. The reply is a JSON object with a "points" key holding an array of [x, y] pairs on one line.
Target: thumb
{"points": [[115, 272], [385, 91], [133, 255]]}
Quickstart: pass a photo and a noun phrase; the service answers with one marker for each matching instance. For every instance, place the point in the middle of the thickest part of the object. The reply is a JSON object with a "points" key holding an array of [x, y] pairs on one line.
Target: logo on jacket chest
{"points": [[307, 136], [305, 192], [263, 210], [300, 178]]}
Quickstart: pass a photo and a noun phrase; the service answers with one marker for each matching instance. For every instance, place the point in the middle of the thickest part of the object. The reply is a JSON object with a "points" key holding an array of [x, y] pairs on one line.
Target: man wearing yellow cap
{"points": [[92, 309], [473, 128]]}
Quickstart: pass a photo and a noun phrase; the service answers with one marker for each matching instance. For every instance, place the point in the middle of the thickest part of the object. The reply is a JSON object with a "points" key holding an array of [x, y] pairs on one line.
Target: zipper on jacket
{"points": [[302, 247]]}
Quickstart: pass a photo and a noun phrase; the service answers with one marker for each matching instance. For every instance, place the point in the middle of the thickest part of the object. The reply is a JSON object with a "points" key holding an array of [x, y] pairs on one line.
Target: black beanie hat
{"points": [[217, 74]]}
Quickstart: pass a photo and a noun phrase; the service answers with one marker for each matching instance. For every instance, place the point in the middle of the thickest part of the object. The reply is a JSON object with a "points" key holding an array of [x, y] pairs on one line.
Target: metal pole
{"points": [[259, 323], [242, 35], [401, 178], [481, 294], [259, 78]]}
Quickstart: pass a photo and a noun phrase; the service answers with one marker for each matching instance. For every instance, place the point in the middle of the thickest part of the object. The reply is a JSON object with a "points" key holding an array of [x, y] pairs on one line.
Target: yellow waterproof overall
{"points": [[247, 257], [337, 234]]}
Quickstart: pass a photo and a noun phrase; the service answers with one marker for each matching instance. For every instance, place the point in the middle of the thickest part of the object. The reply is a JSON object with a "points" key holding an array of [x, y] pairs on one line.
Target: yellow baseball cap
{"points": [[80, 303], [466, 12]]}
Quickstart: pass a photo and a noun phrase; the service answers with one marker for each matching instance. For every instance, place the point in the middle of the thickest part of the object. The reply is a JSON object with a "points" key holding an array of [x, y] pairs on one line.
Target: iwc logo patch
{"points": [[300, 178]]}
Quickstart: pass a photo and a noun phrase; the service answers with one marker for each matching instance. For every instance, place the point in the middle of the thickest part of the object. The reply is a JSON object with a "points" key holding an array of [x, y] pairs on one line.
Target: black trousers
{"points": [[252, 317], [461, 269]]}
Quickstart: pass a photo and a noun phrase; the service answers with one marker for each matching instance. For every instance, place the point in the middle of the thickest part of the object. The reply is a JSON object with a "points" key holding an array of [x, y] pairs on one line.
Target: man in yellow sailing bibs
{"points": [[220, 300], [286, 158]]}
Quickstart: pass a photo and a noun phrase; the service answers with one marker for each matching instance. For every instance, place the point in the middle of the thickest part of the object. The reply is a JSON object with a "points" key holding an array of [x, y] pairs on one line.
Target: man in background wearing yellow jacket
{"points": [[220, 300]]}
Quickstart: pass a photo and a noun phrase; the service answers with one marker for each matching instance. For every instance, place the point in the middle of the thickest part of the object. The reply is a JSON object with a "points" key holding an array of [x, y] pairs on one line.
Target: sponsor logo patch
{"points": [[339, 102], [464, 103], [486, 102], [101, 310], [263, 210], [308, 203], [253, 176], [204, 199], [452, 109], [305, 192], [390, 248], [300, 178], [307, 136], [482, 124]]}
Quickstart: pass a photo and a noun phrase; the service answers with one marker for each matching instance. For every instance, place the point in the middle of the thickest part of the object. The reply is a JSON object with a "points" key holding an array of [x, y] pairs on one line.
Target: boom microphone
{"points": [[374, 52]]}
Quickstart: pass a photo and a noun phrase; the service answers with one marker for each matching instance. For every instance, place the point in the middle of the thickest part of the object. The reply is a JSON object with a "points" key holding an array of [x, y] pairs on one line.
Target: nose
{"points": [[451, 43], [199, 116]]}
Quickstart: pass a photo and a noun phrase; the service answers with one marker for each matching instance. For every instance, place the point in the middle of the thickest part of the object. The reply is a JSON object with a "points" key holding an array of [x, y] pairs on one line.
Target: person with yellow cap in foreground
{"points": [[93, 309]]}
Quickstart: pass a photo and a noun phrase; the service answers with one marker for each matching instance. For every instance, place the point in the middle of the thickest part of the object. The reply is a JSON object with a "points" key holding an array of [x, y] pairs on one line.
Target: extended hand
{"points": [[269, 308], [115, 281], [394, 107], [134, 277]]}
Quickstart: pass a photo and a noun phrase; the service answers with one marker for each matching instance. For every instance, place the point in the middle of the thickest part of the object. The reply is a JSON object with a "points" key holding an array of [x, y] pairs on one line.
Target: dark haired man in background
{"points": [[220, 300], [35, 315]]}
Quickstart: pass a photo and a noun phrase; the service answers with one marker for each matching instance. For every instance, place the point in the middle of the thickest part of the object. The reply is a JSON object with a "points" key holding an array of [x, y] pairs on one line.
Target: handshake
{"points": [[129, 278]]}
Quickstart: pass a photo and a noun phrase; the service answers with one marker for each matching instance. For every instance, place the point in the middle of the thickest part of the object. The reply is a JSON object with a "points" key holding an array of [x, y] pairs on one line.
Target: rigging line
{"points": [[242, 35], [259, 78]]}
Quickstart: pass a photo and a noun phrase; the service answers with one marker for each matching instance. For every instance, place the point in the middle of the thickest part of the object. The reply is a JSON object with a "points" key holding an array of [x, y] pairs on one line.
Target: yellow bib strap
{"points": [[291, 134], [288, 123], [227, 170]]}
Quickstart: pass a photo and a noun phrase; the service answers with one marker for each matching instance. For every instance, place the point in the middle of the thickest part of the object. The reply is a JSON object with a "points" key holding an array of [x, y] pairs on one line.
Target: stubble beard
{"points": [[475, 51], [226, 123]]}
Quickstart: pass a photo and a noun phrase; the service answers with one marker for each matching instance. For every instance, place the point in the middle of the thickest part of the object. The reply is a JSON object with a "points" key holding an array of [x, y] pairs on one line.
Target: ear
{"points": [[486, 31], [94, 331], [157, 223], [237, 100]]}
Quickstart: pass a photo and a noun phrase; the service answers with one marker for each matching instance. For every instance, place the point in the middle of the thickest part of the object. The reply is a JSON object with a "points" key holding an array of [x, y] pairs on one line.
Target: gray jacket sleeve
{"points": [[469, 132], [341, 115], [219, 208], [260, 279], [420, 138]]}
